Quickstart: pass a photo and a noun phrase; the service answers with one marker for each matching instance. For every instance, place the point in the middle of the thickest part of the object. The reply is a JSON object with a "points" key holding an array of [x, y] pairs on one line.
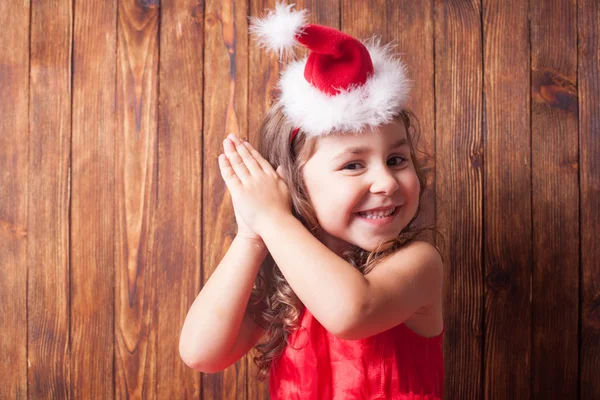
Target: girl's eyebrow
{"points": [[362, 149]]}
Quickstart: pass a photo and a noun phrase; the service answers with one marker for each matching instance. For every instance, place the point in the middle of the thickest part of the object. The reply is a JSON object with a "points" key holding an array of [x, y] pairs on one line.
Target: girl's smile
{"points": [[377, 220]]}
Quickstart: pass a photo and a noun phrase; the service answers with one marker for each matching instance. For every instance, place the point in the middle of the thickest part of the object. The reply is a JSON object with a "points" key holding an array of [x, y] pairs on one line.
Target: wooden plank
{"points": [[225, 107], [14, 135], [459, 184], [92, 200], [410, 26], [364, 19], [588, 25], [262, 73], [321, 13], [48, 201], [507, 199], [135, 200], [555, 199], [177, 227]]}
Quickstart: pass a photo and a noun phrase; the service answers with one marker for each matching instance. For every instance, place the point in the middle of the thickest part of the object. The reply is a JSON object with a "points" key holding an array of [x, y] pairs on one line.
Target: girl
{"points": [[326, 263]]}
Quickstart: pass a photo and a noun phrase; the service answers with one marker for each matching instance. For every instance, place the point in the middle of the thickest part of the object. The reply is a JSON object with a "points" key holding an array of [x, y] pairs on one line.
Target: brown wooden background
{"points": [[113, 212]]}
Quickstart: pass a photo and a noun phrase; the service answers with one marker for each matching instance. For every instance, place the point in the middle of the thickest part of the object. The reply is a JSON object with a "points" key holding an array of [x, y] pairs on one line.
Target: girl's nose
{"points": [[384, 182]]}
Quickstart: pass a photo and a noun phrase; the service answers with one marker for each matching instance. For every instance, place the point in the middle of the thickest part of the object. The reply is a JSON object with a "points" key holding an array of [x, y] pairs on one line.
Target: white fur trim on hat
{"points": [[382, 96], [277, 31]]}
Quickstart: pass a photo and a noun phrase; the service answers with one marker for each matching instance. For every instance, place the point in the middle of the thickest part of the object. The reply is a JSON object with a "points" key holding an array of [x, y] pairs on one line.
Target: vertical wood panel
{"points": [[263, 72], [135, 201], [48, 201], [92, 200], [363, 19], [225, 104], [459, 159], [321, 13], [555, 198], [588, 23], [176, 240], [507, 200], [14, 134]]}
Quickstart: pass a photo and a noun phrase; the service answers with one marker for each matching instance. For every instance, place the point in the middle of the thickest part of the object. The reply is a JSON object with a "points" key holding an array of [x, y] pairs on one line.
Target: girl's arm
{"points": [[330, 287], [347, 303], [213, 322]]}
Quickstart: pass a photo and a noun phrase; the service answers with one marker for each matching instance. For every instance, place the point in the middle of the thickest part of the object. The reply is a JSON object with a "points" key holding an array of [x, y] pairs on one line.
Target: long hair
{"points": [[273, 304]]}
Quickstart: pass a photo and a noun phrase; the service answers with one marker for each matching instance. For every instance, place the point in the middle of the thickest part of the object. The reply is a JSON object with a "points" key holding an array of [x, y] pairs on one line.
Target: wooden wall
{"points": [[113, 212]]}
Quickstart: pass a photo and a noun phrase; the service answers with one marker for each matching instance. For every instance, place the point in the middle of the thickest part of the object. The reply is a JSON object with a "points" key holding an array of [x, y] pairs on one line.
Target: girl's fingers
{"points": [[227, 172], [235, 161], [249, 159], [266, 167]]}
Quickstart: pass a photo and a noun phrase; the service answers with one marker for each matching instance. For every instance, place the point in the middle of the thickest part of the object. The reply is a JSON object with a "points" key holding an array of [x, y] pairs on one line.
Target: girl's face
{"points": [[350, 173]]}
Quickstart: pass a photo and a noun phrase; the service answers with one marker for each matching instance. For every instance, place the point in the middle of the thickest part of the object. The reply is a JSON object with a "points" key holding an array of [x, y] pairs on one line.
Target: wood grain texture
{"points": [[459, 185], [176, 247], [555, 199], [136, 186], [588, 72], [48, 197], [92, 200], [507, 200], [14, 135], [225, 107], [364, 19], [113, 212]]}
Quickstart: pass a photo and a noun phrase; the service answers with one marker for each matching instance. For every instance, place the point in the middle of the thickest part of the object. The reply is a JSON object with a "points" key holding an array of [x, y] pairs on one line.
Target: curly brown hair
{"points": [[273, 304]]}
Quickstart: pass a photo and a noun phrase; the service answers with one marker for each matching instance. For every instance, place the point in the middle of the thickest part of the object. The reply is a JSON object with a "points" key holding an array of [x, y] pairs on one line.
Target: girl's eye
{"points": [[402, 159], [346, 167]]}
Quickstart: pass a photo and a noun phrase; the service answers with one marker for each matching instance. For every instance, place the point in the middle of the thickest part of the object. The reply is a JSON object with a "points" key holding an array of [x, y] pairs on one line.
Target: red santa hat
{"points": [[343, 85]]}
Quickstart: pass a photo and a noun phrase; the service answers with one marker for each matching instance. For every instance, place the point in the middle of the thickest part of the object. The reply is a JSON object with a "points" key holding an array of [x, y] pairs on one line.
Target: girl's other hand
{"points": [[244, 230]]}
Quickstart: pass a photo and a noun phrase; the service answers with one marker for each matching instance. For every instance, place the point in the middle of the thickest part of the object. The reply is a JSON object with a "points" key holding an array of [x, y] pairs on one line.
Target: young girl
{"points": [[326, 263]]}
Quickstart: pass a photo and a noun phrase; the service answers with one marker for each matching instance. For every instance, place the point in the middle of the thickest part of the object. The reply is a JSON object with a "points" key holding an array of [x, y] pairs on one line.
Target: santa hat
{"points": [[342, 85]]}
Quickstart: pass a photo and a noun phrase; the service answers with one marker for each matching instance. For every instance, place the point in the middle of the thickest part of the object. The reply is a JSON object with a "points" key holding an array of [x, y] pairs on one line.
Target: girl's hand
{"points": [[258, 192]]}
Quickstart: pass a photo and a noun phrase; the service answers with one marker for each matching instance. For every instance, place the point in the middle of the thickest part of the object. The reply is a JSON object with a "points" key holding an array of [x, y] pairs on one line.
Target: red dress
{"points": [[394, 364]]}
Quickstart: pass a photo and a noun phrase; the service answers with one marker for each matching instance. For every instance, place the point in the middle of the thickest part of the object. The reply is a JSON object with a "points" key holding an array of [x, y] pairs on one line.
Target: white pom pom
{"points": [[277, 31]]}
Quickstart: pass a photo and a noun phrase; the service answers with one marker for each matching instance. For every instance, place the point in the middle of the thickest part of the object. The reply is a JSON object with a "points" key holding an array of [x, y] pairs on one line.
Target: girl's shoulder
{"points": [[420, 248]]}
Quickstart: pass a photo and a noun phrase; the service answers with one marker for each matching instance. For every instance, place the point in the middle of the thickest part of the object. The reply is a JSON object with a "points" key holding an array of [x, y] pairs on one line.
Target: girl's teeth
{"points": [[378, 215]]}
